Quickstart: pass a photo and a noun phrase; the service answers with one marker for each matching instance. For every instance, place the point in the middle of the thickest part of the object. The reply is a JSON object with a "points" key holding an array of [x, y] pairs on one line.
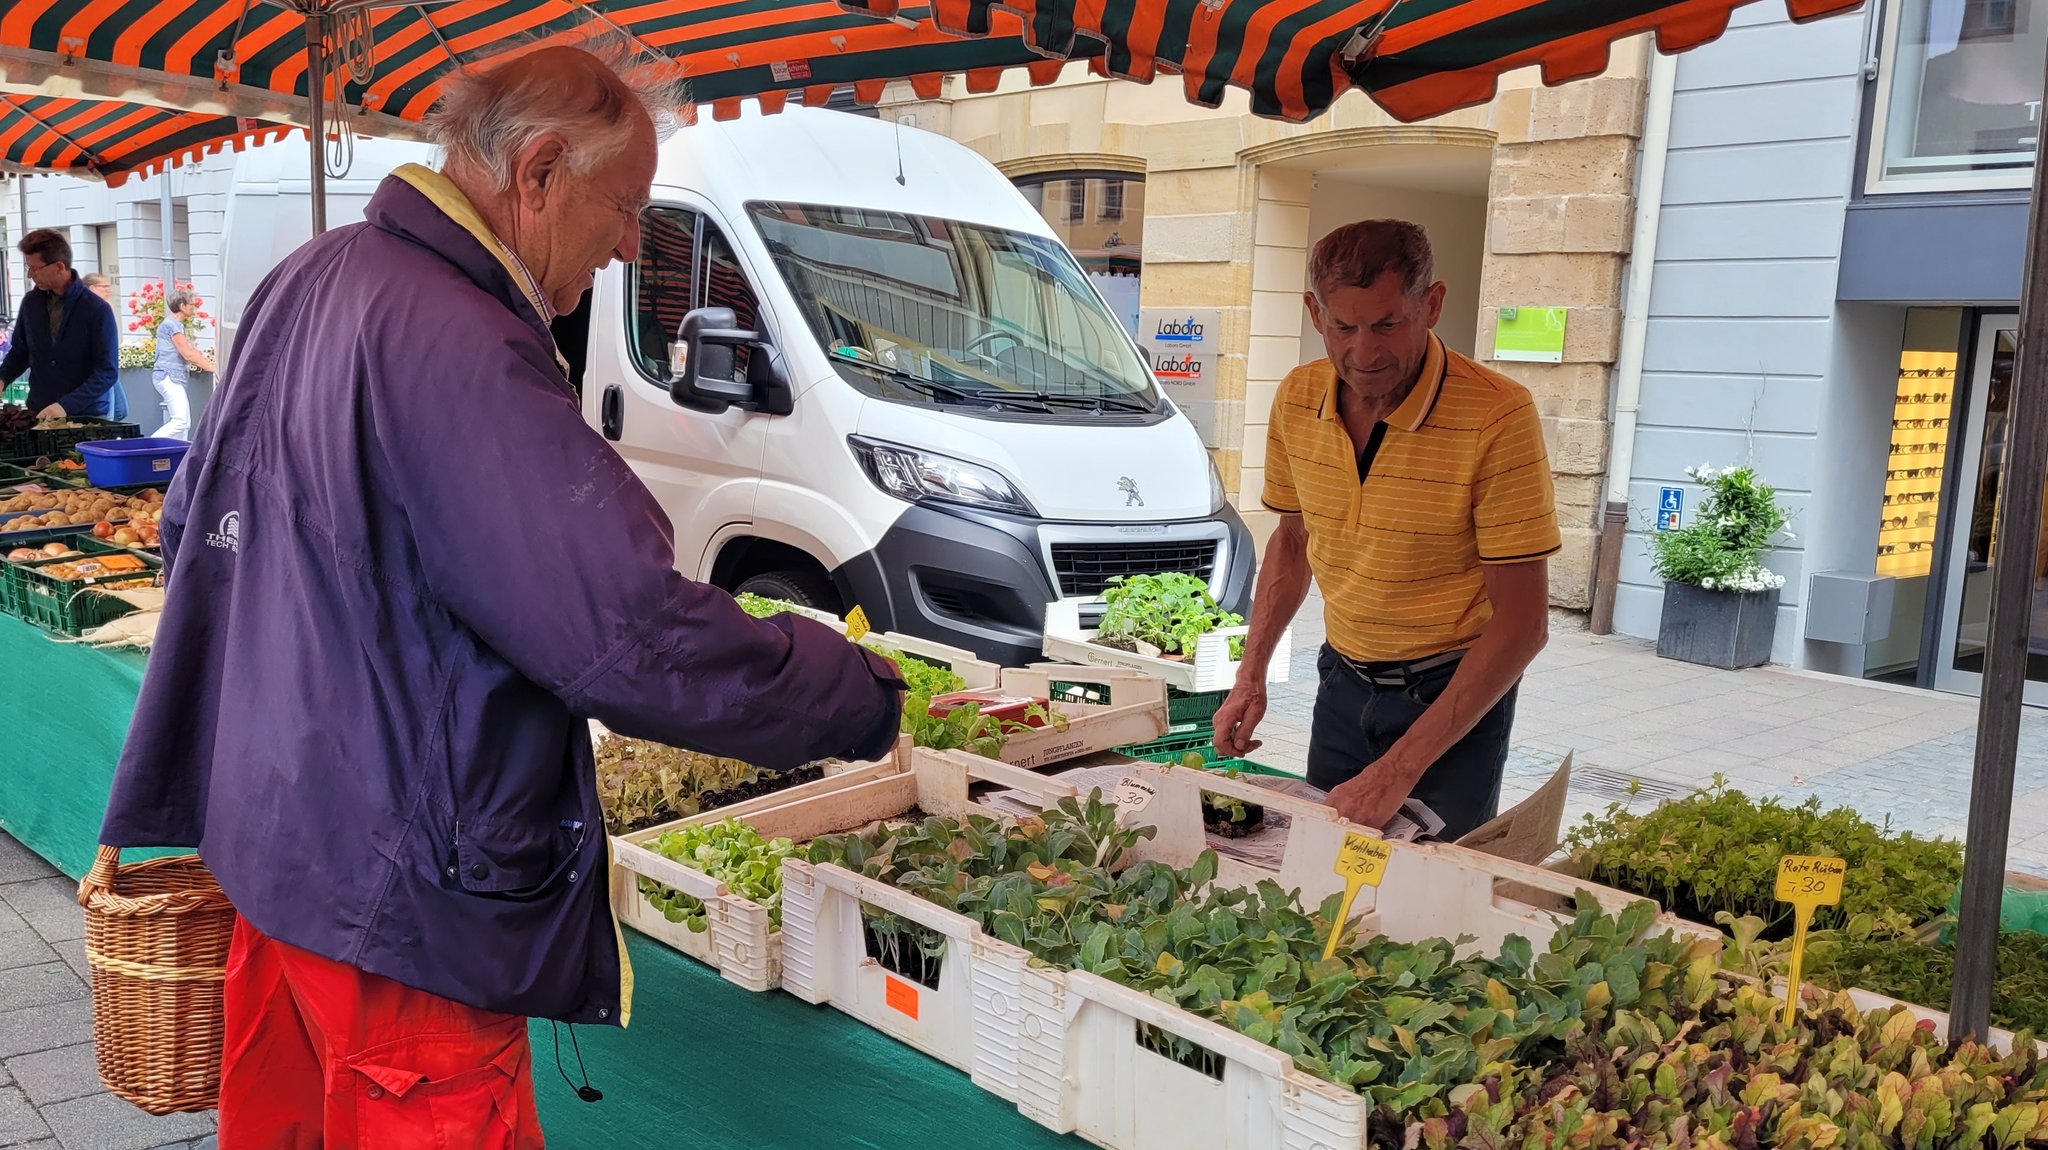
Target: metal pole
{"points": [[316, 92], [2005, 647], [163, 209]]}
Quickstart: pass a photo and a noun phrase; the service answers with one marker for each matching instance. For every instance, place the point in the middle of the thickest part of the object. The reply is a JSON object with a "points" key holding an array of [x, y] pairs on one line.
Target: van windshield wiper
{"points": [[914, 382], [1053, 399]]}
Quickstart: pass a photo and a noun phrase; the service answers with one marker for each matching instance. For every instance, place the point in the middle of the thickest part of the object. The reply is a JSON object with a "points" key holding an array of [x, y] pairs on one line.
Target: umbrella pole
{"points": [[2006, 644], [316, 90]]}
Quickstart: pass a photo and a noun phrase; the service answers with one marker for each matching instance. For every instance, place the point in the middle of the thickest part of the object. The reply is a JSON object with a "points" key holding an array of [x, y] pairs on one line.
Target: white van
{"points": [[857, 369]]}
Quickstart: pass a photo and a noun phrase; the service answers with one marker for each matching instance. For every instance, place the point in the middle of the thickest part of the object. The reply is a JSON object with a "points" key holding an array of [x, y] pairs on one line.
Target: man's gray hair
{"points": [[487, 116], [179, 300]]}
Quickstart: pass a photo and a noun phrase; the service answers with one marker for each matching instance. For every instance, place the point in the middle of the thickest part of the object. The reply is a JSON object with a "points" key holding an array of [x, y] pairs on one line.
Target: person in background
{"points": [[376, 733], [64, 337], [117, 396], [174, 353], [1413, 484]]}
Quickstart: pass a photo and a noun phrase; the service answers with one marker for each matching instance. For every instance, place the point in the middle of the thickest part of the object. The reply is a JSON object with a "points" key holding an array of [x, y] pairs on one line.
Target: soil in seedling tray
{"points": [[1232, 821], [1117, 643]]}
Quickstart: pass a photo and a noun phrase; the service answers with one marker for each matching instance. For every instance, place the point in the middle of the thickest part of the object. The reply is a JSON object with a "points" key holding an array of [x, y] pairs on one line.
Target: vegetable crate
{"points": [[740, 940], [1067, 1047], [1103, 707], [38, 442], [1211, 669], [1170, 749], [71, 607], [972, 1005], [1241, 1094], [1189, 712]]}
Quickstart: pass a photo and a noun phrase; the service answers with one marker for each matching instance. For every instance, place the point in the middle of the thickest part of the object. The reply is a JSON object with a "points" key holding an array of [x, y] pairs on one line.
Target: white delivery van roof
{"points": [[829, 158]]}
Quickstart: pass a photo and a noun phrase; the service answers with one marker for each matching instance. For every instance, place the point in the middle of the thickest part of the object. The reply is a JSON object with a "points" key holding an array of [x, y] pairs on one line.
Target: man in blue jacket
{"points": [[403, 574], [64, 336]]}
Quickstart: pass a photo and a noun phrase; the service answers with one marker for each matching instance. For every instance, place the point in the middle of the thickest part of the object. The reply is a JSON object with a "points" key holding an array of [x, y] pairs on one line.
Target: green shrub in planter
{"points": [[1717, 850], [1720, 601]]}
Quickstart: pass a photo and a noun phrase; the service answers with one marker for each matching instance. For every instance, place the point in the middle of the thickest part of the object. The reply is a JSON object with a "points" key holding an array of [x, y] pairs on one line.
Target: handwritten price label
{"points": [[1811, 880], [1808, 882], [1361, 862], [1134, 794], [856, 625]]}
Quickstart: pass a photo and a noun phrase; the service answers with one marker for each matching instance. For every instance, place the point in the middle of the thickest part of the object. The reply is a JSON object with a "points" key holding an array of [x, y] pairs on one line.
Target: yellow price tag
{"points": [[1361, 862], [856, 625], [1808, 882]]}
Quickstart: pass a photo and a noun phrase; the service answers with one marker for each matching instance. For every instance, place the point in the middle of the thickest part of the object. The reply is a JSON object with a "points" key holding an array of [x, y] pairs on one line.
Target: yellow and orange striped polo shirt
{"points": [[1461, 479]]}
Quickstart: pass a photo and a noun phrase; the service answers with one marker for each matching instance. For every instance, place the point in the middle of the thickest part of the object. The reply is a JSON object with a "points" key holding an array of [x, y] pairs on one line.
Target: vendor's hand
{"points": [[1237, 718], [1373, 798], [54, 411]]}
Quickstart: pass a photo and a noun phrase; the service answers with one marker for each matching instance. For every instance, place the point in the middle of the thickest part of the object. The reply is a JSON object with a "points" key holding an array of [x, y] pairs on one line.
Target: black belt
{"points": [[1399, 674]]}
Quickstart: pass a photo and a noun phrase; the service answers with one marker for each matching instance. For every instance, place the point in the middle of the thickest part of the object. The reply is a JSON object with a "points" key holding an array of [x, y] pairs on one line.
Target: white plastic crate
{"points": [[1135, 713], [739, 940], [1211, 668]]}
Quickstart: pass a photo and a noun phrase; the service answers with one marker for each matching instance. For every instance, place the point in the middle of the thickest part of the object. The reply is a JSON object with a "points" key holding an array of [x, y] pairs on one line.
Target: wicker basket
{"points": [[156, 937]]}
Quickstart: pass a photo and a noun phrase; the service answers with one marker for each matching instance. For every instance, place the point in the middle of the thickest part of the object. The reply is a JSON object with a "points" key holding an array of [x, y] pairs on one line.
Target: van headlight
{"points": [[1217, 497], [914, 475]]}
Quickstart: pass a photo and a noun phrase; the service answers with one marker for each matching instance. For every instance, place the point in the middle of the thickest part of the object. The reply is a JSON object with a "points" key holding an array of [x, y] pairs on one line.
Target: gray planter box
{"points": [[1724, 629]]}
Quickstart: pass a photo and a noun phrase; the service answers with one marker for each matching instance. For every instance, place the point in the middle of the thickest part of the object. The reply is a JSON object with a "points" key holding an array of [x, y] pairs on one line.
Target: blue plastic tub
{"points": [[131, 462]]}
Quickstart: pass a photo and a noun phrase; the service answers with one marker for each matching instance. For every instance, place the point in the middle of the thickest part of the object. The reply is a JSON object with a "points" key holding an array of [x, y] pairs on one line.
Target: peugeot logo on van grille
{"points": [[1129, 487]]}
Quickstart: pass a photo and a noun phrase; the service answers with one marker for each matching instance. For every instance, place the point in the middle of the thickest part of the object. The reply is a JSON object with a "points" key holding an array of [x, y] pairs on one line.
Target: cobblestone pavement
{"points": [[1624, 714], [50, 1092], [1890, 752]]}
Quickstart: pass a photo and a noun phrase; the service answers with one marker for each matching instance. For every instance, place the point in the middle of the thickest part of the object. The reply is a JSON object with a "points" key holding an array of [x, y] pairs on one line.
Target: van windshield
{"points": [[929, 310]]}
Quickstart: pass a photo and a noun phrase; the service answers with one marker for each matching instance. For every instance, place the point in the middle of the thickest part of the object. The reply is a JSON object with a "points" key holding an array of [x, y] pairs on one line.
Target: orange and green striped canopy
{"points": [[1417, 58], [113, 139]]}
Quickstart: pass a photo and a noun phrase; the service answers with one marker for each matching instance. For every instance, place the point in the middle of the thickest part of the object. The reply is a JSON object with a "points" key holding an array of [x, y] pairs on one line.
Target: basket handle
{"points": [[101, 876]]}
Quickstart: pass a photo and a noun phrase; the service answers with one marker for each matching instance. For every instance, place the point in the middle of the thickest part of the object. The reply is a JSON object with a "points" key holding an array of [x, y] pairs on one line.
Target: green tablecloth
{"points": [[705, 1064]]}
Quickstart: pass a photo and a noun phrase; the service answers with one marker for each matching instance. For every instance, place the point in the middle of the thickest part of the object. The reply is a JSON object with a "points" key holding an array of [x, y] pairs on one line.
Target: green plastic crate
{"points": [[1192, 711], [1172, 747], [57, 604]]}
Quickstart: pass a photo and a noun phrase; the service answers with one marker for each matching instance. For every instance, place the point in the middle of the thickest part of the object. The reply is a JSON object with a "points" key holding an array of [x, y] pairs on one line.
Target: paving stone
{"points": [[20, 864], [45, 1027], [50, 905], [32, 986], [19, 1121], [20, 945], [104, 1122], [72, 951], [57, 1075]]}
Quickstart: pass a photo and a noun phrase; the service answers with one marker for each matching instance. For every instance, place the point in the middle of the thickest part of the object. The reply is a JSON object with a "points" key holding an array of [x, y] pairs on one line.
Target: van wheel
{"points": [[803, 588]]}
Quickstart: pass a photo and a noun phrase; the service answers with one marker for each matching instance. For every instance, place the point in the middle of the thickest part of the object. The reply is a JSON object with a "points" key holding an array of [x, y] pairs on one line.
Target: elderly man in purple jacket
{"points": [[403, 572]]}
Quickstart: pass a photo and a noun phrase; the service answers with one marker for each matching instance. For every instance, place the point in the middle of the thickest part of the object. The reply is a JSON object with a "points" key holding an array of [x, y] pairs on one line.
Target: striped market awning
{"points": [[1417, 58], [112, 139]]}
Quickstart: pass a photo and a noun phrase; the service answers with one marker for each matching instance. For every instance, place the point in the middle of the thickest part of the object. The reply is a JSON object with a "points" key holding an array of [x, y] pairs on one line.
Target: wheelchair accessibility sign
{"points": [[1670, 508]]}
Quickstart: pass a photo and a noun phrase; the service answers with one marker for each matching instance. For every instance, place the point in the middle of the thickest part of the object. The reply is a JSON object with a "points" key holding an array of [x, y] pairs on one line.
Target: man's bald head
{"points": [[592, 98]]}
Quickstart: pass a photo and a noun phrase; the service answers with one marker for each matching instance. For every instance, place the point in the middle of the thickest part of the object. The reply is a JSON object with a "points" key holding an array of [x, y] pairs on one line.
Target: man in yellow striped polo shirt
{"points": [[1413, 484]]}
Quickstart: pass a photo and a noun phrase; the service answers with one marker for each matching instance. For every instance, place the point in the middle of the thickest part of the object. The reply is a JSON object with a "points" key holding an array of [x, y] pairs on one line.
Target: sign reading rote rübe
{"points": [[1180, 346]]}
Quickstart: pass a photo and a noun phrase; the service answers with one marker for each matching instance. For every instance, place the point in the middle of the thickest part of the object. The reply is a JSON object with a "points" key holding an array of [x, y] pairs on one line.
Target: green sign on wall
{"points": [[1529, 334]]}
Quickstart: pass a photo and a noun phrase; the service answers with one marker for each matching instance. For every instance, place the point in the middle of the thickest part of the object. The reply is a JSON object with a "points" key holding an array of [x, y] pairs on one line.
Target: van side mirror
{"points": [[709, 335]]}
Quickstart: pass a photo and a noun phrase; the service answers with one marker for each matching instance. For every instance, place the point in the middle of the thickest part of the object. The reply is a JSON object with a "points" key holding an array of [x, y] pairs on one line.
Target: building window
{"points": [[1959, 97], [1109, 244]]}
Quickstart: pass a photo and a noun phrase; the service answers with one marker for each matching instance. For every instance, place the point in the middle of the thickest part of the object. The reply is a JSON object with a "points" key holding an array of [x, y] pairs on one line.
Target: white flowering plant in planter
{"points": [[1739, 519]]}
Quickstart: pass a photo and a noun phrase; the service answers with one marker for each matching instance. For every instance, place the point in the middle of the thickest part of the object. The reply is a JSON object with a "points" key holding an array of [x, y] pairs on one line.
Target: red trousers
{"points": [[321, 1056]]}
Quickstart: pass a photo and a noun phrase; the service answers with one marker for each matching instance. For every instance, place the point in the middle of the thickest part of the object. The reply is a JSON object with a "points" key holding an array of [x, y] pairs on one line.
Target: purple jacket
{"points": [[403, 572]]}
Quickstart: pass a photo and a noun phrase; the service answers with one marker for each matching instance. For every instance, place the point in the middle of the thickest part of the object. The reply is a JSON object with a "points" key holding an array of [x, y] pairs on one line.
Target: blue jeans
{"points": [[1357, 722]]}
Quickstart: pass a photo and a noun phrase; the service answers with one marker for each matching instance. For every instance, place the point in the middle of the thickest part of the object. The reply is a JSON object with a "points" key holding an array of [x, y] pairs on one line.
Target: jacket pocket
{"points": [[514, 861]]}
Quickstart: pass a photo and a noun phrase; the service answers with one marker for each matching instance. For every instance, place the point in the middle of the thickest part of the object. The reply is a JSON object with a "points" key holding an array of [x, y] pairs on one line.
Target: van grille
{"points": [[1087, 568]]}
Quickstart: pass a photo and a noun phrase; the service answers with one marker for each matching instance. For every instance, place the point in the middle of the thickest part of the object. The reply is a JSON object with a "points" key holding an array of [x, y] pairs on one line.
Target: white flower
{"points": [[1708, 583]]}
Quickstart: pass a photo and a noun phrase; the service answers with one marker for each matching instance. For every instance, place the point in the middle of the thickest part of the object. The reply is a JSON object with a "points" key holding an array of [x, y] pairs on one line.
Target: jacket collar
{"points": [[427, 208]]}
